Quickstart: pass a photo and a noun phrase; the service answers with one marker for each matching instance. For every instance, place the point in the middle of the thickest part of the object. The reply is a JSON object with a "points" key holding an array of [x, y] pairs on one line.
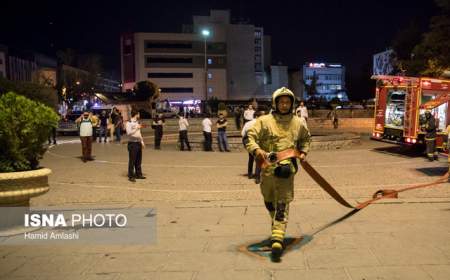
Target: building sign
{"points": [[383, 63]]}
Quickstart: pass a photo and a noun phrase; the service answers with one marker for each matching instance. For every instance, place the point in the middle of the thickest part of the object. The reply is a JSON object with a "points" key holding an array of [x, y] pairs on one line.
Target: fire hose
{"points": [[274, 158]]}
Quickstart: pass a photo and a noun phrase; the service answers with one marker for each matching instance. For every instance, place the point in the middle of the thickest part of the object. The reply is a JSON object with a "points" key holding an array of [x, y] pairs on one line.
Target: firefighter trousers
{"points": [[431, 148], [277, 193]]}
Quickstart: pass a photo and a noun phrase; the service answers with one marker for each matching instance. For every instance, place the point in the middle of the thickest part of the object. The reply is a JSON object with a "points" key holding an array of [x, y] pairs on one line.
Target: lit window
{"points": [[209, 60], [210, 76], [210, 89]]}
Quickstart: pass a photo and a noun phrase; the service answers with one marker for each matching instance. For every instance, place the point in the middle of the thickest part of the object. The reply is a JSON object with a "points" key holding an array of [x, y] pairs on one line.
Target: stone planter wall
{"points": [[16, 188]]}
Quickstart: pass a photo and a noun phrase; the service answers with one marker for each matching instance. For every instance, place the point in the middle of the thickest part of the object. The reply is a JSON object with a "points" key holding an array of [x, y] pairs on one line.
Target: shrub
{"points": [[34, 91], [24, 128]]}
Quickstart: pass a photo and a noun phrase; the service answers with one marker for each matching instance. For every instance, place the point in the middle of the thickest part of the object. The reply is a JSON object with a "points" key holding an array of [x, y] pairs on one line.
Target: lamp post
{"points": [[205, 34]]}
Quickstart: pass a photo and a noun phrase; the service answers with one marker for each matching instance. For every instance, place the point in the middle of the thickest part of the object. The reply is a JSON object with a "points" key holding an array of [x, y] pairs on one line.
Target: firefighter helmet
{"points": [[282, 92]]}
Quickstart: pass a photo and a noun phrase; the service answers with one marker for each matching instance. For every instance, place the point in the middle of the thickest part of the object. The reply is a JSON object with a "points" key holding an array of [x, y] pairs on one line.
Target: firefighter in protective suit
{"points": [[430, 136], [276, 132]]}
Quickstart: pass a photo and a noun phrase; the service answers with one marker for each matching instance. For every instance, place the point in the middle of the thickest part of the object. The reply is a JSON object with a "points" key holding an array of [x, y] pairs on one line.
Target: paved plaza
{"points": [[207, 209]]}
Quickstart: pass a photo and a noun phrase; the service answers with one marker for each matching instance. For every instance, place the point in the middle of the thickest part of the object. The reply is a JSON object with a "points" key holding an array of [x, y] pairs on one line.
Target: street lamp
{"points": [[205, 34]]}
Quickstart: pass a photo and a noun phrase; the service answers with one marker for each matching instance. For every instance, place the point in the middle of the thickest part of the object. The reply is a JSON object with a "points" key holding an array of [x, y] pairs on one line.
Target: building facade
{"points": [[234, 59], [176, 63], [330, 80]]}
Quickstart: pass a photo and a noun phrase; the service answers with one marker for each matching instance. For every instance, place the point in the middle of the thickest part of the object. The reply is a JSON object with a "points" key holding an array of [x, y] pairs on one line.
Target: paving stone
{"points": [[315, 274], [334, 258], [235, 275], [50, 265], [388, 272], [157, 276], [437, 272], [189, 261], [125, 263], [409, 255]]}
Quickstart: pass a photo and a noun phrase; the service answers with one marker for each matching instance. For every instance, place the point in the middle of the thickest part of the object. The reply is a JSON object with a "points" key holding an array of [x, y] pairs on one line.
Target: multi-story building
{"points": [[330, 80], [176, 63], [234, 59]]}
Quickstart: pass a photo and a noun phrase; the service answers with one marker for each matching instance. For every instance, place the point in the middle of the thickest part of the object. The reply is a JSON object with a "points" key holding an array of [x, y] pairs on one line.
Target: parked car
{"points": [[68, 125]]}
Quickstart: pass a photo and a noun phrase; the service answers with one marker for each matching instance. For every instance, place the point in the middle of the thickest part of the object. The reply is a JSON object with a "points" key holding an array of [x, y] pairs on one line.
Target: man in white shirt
{"points": [[183, 133], [135, 145], [86, 125], [248, 114], [207, 124], [302, 111]]}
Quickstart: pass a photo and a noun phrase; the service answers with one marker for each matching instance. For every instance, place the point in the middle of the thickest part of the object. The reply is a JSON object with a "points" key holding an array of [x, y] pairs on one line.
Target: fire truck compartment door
{"points": [[439, 100]]}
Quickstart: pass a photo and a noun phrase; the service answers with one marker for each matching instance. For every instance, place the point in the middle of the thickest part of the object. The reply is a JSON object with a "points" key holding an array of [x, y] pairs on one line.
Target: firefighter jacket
{"points": [[430, 128], [276, 132]]}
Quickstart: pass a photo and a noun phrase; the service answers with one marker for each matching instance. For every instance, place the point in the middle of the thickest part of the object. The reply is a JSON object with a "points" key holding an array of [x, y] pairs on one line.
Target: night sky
{"points": [[348, 32]]}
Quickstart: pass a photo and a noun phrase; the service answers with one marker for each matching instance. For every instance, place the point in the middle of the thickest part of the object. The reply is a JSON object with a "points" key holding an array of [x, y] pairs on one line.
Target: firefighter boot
{"points": [[277, 251], [278, 230]]}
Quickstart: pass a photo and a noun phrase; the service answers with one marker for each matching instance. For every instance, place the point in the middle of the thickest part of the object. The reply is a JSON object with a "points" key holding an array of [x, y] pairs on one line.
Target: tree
{"points": [[77, 74], [148, 92], [33, 91], [431, 56], [212, 104]]}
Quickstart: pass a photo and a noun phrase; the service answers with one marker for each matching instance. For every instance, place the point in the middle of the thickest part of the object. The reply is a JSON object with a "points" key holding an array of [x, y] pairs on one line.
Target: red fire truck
{"points": [[400, 106]]}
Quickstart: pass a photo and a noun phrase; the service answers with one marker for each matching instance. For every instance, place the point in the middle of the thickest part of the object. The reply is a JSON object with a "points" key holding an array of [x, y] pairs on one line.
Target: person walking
{"points": [[273, 133], [183, 125], [157, 125], [135, 146], [222, 140], [302, 111], [86, 124], [334, 117], [207, 133], [248, 114]]}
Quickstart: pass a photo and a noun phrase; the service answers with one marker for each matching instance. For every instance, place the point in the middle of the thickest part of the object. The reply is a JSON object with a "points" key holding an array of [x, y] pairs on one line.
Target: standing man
{"points": [[251, 158], [86, 125], [135, 146], [96, 121], [183, 125], [103, 127], [248, 114], [277, 132], [207, 133], [114, 118], [118, 127], [52, 134], [237, 117], [157, 125], [430, 136], [302, 111], [222, 133]]}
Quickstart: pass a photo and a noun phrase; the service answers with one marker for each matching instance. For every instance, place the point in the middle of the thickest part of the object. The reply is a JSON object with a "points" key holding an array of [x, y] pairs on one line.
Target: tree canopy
{"points": [[430, 56]]}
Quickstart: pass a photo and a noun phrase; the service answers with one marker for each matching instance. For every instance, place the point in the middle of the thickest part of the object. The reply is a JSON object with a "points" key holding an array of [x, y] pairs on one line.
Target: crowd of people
{"points": [[262, 135]]}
